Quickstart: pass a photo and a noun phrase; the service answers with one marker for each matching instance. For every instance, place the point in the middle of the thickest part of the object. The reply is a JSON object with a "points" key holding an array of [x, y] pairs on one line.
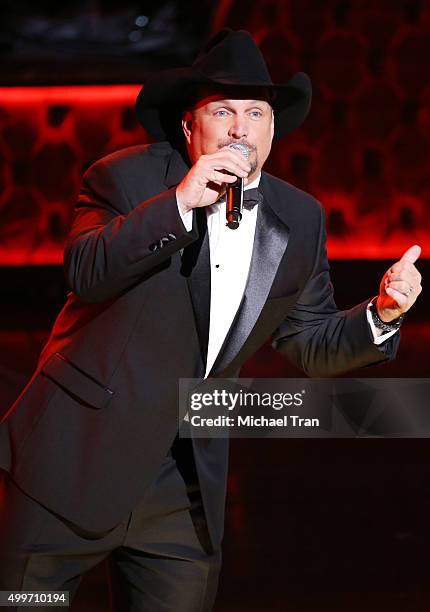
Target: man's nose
{"points": [[238, 127]]}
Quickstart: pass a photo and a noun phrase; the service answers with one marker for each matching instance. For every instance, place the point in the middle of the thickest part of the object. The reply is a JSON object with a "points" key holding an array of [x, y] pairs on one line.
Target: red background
{"points": [[363, 150]]}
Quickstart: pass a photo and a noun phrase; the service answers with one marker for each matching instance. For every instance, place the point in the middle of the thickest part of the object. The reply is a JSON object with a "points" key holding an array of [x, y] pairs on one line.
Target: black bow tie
{"points": [[251, 197]]}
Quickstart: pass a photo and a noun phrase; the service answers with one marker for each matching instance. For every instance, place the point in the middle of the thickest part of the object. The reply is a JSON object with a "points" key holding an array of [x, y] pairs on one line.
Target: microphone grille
{"points": [[241, 148]]}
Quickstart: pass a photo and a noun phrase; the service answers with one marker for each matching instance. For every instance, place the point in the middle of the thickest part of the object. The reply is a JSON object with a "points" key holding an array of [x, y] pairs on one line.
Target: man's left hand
{"points": [[400, 286]]}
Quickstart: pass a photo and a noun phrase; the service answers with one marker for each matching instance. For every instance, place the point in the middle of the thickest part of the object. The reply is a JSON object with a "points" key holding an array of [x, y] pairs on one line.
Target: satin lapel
{"points": [[270, 242], [195, 265]]}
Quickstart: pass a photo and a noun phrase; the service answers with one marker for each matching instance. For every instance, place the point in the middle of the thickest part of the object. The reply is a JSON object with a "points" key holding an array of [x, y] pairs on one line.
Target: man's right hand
{"points": [[207, 179]]}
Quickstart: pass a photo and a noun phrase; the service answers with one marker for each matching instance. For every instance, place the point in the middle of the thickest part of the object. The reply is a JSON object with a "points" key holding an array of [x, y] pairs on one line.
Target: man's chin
{"points": [[255, 170]]}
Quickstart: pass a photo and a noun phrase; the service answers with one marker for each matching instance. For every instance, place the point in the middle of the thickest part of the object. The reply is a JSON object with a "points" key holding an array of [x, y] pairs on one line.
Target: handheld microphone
{"points": [[234, 192]]}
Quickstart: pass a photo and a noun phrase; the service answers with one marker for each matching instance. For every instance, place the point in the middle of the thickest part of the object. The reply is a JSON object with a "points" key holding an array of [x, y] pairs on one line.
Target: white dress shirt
{"points": [[230, 259]]}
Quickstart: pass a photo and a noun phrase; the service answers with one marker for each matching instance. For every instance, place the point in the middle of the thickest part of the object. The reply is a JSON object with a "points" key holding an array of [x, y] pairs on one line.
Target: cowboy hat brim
{"points": [[161, 101]]}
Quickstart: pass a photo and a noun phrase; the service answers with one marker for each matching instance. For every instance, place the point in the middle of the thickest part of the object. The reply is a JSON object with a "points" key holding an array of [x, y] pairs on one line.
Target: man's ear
{"points": [[187, 121]]}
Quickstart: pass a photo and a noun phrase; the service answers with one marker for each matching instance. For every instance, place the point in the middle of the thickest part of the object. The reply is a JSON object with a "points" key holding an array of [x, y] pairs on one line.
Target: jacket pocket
{"points": [[79, 384]]}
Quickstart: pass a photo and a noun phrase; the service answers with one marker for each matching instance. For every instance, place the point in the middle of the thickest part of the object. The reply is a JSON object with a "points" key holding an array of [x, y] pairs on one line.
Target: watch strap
{"points": [[379, 323]]}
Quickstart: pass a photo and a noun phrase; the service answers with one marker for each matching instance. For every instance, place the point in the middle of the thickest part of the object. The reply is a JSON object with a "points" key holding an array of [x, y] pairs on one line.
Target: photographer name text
{"points": [[290, 420]]}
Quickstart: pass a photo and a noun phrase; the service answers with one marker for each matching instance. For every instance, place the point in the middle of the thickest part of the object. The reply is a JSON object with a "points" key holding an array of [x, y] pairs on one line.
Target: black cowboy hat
{"points": [[230, 61]]}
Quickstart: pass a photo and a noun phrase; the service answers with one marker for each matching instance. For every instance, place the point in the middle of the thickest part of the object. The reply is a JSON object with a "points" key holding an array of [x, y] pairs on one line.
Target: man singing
{"points": [[163, 289]]}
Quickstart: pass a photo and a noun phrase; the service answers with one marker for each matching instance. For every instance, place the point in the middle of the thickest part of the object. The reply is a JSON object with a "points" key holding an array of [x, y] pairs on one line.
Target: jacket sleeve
{"points": [[113, 244], [321, 339]]}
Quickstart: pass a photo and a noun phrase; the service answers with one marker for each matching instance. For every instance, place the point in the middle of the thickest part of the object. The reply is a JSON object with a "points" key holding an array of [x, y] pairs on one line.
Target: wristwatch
{"points": [[379, 323]]}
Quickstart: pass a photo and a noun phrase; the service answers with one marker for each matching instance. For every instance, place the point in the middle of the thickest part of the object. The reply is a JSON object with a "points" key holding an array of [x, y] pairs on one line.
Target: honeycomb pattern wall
{"points": [[48, 137], [363, 151]]}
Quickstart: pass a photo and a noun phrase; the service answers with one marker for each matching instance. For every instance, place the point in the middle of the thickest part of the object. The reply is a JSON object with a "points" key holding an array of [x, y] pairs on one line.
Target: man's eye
{"points": [[221, 113], [256, 114]]}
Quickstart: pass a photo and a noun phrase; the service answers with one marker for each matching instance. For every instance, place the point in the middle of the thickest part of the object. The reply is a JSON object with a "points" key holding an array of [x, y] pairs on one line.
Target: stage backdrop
{"points": [[363, 150]]}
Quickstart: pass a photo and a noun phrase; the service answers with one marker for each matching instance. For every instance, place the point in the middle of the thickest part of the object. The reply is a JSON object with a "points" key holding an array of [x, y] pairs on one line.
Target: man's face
{"points": [[216, 122]]}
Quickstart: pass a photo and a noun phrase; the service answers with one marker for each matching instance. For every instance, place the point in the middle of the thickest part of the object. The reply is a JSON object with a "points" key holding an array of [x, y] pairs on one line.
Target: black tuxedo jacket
{"points": [[92, 426]]}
